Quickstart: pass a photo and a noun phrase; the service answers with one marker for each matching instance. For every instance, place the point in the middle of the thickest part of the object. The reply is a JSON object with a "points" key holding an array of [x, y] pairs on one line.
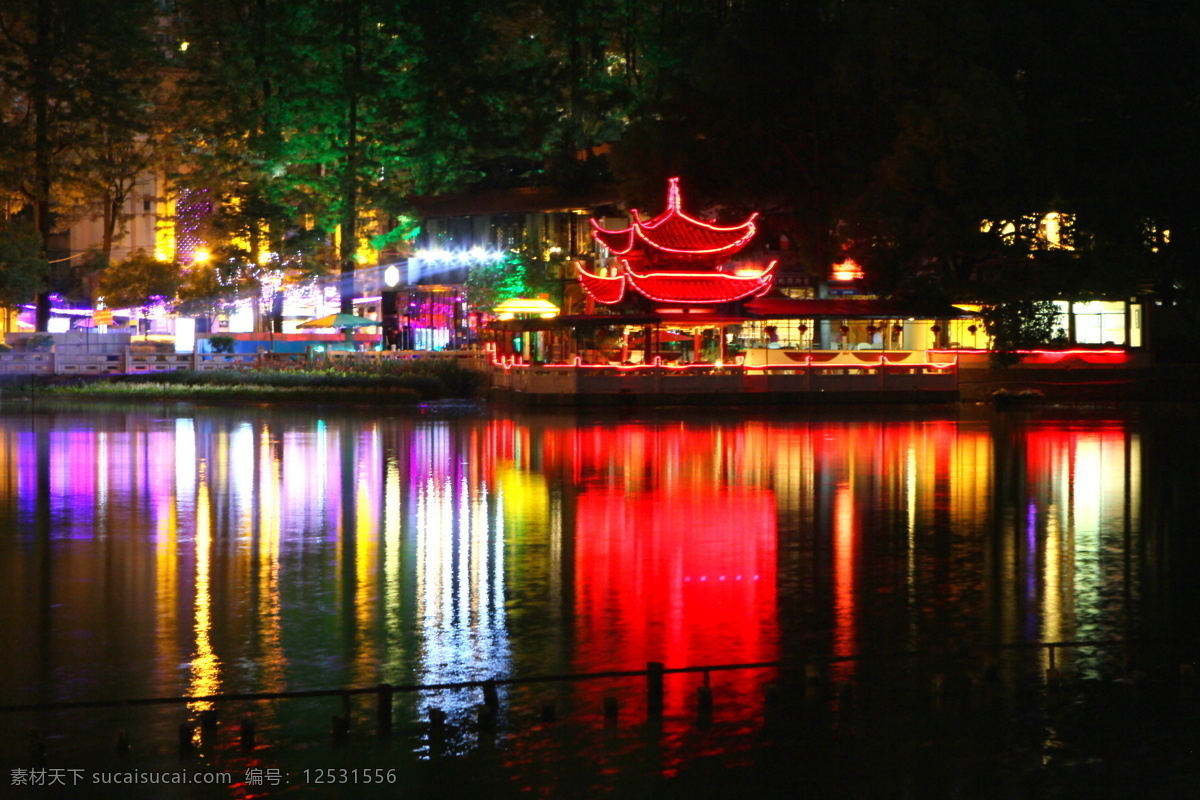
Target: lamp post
{"points": [[389, 314]]}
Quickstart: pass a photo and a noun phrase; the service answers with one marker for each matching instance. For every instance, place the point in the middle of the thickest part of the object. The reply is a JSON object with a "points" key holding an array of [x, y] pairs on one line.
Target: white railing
{"points": [[124, 362]]}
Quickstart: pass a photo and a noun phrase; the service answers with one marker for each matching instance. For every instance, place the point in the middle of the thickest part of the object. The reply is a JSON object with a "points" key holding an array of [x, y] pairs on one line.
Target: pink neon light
{"points": [[1037, 352], [1055, 356]]}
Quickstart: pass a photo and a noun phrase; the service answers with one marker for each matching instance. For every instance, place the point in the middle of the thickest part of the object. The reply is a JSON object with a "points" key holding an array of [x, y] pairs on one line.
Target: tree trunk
{"points": [[349, 188], [112, 209], [43, 52]]}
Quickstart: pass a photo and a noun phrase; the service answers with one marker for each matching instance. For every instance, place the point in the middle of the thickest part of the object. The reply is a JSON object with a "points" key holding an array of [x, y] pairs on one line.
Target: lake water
{"points": [[169, 551]]}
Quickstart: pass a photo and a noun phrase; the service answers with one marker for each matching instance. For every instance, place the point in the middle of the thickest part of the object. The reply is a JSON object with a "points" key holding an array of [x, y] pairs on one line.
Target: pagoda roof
{"points": [[676, 287], [673, 235]]}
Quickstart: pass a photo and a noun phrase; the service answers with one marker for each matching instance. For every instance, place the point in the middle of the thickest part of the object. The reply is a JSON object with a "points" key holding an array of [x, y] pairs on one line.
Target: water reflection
{"points": [[258, 551]]}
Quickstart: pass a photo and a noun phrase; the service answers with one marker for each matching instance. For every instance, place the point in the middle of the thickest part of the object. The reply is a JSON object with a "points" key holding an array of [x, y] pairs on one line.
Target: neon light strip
{"points": [[628, 230], [674, 201], [760, 283], [600, 280], [728, 248], [1036, 352], [700, 275], [508, 363]]}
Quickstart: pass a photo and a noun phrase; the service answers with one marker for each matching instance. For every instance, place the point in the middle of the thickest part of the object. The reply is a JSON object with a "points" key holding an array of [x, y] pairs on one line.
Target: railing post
{"points": [[383, 711], [654, 689]]}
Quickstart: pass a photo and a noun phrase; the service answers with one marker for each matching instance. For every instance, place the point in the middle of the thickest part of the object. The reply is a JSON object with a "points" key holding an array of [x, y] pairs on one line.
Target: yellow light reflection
{"points": [[395, 658], [269, 612], [366, 543], [205, 667]]}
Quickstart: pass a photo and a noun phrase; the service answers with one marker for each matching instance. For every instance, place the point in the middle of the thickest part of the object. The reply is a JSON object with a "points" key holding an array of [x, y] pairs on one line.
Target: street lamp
{"points": [[389, 315]]}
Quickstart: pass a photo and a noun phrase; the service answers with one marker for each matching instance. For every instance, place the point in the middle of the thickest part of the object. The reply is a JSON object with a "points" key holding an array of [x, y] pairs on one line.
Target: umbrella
{"points": [[347, 322], [338, 321]]}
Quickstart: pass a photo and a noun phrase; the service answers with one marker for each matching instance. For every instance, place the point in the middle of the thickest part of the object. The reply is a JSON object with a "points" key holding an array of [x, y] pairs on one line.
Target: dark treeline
{"points": [[927, 139]]}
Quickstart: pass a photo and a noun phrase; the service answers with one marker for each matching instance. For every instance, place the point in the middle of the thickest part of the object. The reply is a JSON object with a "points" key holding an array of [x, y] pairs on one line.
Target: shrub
{"points": [[221, 344], [41, 343]]}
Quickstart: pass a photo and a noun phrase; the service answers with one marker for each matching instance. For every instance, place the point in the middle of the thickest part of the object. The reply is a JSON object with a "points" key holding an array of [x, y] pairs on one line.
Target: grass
{"points": [[404, 382]]}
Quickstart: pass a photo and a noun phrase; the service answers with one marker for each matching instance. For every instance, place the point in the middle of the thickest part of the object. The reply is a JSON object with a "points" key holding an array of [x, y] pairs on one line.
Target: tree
{"points": [[516, 275], [22, 267], [1019, 323], [139, 282], [73, 72]]}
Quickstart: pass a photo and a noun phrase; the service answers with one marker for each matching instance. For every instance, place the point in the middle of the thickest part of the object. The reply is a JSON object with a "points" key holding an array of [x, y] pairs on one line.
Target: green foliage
{"points": [[1018, 324], [139, 282], [76, 85], [221, 344], [492, 282], [206, 290], [22, 268]]}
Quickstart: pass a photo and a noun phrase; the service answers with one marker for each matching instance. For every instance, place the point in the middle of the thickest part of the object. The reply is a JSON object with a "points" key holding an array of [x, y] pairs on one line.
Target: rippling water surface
{"points": [[165, 551]]}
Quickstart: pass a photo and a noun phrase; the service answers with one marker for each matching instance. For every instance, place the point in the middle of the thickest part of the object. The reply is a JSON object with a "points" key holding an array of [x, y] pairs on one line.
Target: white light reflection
{"points": [[460, 581]]}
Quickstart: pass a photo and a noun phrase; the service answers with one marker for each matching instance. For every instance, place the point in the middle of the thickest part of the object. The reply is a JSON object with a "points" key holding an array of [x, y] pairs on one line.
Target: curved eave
{"points": [[710, 288], [619, 242], [719, 245], [608, 291]]}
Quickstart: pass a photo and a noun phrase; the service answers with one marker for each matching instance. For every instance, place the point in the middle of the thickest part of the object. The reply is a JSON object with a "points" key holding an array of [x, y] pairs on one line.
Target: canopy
{"points": [[526, 305], [339, 321]]}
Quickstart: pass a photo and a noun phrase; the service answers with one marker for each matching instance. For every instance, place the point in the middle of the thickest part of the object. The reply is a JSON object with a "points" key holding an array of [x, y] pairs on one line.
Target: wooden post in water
{"points": [[437, 721], [209, 719], [246, 734], [122, 742], [1053, 675], [186, 732], [654, 689], [490, 698], [36, 747], [383, 710], [610, 712], [704, 701], [772, 706], [340, 730], [549, 712]]}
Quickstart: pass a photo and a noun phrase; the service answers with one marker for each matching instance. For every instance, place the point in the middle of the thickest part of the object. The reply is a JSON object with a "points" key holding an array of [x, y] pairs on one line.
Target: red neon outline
{"points": [[586, 277], [597, 229], [674, 210], [1055, 356], [507, 363], [1035, 352], [759, 284]]}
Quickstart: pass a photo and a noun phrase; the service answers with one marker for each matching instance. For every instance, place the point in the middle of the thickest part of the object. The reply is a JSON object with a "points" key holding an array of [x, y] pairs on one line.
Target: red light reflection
{"points": [[663, 577]]}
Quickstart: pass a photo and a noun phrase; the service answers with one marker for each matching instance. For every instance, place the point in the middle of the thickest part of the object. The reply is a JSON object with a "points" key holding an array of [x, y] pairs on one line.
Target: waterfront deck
{"points": [[756, 378]]}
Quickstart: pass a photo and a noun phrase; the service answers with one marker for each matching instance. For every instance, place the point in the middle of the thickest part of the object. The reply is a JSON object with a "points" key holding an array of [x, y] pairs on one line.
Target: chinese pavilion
{"points": [[675, 259]]}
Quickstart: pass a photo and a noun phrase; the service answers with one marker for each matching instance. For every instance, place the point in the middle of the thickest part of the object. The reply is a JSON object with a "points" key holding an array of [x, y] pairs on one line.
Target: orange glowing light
{"points": [[846, 270]]}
